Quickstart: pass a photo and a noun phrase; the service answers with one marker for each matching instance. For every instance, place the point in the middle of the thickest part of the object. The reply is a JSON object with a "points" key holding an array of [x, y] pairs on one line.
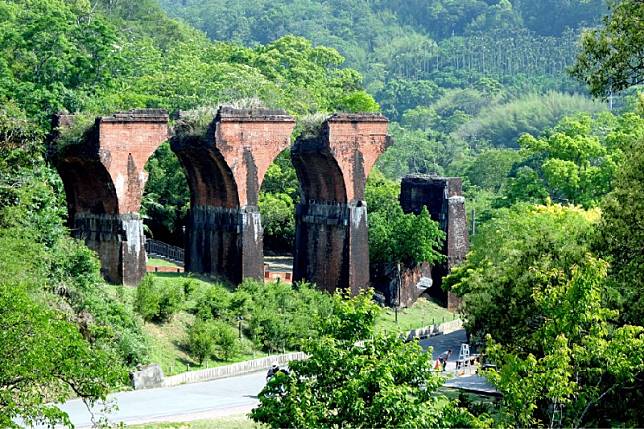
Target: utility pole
{"points": [[473, 222], [398, 294]]}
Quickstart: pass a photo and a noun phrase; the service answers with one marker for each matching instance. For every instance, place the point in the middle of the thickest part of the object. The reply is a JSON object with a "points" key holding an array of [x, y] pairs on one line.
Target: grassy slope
{"points": [[422, 313], [166, 341]]}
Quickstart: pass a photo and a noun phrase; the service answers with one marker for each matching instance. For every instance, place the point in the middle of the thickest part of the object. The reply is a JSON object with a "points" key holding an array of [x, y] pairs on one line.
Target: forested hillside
{"points": [[494, 91], [450, 43]]}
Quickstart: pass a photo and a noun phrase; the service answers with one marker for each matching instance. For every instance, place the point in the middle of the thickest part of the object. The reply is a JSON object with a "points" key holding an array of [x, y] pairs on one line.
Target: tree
{"points": [[377, 382], [44, 359], [586, 372], [611, 57], [512, 256], [621, 231], [532, 288]]}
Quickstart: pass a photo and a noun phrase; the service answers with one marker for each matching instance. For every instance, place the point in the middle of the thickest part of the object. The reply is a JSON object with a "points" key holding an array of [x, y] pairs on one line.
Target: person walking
{"points": [[443, 357]]}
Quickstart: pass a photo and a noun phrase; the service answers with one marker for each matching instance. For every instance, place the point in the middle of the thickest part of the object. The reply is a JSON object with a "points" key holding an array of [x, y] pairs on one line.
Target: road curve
{"points": [[228, 396]]}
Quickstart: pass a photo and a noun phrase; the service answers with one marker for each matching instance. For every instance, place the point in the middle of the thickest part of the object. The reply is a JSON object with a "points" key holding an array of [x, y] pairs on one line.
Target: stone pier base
{"points": [[119, 242], [331, 246], [226, 242]]}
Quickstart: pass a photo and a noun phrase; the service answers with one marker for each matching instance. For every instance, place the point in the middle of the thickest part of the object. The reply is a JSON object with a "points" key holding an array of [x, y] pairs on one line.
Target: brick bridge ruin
{"points": [[104, 178]]}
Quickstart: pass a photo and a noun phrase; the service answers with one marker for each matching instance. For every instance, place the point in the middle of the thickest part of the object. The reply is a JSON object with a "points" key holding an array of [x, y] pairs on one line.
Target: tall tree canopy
{"points": [[612, 57]]}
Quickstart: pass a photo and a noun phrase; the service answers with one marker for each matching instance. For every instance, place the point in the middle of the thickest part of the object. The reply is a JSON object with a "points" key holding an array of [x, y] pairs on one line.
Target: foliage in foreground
{"points": [[378, 382], [512, 256], [542, 300], [586, 371], [44, 358], [60, 334]]}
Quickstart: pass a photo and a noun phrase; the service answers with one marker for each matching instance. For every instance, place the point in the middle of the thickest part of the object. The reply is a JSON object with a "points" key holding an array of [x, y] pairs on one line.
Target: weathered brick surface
{"points": [[225, 170], [331, 242], [402, 288], [443, 199], [104, 179]]}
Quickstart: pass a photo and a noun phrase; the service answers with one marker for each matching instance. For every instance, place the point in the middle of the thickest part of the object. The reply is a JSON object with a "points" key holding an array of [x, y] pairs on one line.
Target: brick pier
{"points": [[225, 169], [331, 241], [104, 178]]}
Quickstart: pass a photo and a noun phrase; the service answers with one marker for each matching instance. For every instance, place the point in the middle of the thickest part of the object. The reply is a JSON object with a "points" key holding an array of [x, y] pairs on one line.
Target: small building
{"points": [[278, 268]]}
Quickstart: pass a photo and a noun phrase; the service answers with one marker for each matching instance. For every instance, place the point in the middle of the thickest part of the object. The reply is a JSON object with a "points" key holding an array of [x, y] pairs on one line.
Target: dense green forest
{"points": [[497, 92]]}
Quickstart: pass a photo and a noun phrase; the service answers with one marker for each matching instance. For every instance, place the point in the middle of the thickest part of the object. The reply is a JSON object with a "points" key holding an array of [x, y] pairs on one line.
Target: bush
{"points": [[213, 303], [200, 341], [212, 338], [189, 286], [227, 344], [158, 302]]}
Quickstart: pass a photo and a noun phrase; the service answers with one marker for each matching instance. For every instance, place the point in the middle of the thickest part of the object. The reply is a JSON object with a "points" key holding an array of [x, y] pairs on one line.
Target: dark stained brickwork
{"points": [[225, 170], [443, 198], [104, 178], [331, 241]]}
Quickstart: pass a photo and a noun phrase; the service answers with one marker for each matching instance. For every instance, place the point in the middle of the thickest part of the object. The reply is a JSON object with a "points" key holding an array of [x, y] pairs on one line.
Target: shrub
{"points": [[189, 286], [227, 344], [158, 302], [147, 299], [212, 338], [200, 341], [212, 303]]}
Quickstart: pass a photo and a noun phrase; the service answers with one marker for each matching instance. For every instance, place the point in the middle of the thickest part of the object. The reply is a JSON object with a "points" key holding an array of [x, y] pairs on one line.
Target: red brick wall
{"points": [[249, 144], [125, 145], [356, 142]]}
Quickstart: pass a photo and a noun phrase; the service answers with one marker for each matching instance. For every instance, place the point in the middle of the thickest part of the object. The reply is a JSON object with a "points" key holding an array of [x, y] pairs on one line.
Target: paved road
{"points": [[227, 396]]}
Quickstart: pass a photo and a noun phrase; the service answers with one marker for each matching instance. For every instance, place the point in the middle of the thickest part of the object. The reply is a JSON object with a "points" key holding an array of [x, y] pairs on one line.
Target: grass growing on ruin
{"points": [[423, 313]]}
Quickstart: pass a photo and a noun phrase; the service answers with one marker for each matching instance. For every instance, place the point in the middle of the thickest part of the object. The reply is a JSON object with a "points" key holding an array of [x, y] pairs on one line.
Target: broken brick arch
{"points": [[103, 176], [104, 179], [331, 240], [225, 169]]}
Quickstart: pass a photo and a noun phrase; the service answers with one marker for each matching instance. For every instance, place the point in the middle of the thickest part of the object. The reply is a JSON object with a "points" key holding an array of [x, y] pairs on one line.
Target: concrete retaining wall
{"points": [[231, 370], [264, 363], [428, 331]]}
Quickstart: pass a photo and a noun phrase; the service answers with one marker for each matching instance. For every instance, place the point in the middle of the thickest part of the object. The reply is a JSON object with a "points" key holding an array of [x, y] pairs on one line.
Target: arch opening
{"points": [[320, 177], [88, 187]]}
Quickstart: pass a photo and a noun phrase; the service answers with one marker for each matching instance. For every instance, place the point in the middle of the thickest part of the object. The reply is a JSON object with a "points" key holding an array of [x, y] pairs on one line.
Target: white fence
{"points": [[428, 331], [231, 370]]}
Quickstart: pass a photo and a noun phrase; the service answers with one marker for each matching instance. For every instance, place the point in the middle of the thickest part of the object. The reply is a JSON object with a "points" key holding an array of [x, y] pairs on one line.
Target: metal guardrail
{"points": [[163, 250]]}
